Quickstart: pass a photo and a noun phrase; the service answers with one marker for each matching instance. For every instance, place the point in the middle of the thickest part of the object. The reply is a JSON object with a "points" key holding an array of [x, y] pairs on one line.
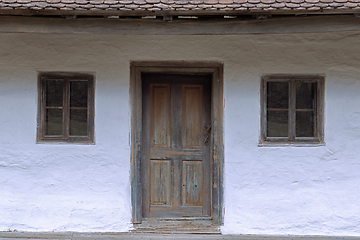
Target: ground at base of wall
{"points": [[132, 236]]}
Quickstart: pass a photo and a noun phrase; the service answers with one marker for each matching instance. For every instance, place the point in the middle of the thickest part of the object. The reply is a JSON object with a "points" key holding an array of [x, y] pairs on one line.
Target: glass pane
{"points": [[78, 122], [305, 95], [54, 122], [277, 95], [277, 123], [305, 124], [78, 93], [54, 93]]}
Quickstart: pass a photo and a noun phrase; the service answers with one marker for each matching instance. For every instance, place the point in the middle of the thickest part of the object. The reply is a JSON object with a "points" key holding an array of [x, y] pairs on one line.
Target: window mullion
{"points": [[264, 112], [292, 110], [43, 108], [88, 108], [66, 119], [316, 109]]}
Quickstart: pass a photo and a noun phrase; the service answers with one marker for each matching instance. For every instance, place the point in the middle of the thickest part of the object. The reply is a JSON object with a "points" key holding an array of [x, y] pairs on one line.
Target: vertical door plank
{"points": [[192, 116], [192, 183], [145, 145], [160, 132], [207, 142], [160, 182], [176, 110], [176, 142]]}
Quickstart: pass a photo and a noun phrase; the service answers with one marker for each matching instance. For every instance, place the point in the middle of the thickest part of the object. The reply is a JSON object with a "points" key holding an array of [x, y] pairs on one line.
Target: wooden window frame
{"points": [[318, 139], [65, 137], [214, 69]]}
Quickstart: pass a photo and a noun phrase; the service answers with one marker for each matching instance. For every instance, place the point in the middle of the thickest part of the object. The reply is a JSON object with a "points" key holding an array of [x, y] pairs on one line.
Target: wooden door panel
{"points": [[192, 103], [176, 211], [160, 183], [192, 183], [175, 165], [174, 153], [160, 132]]}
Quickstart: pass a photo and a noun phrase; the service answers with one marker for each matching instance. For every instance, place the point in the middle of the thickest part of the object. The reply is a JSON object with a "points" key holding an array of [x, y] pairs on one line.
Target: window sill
{"points": [[291, 144], [60, 142]]}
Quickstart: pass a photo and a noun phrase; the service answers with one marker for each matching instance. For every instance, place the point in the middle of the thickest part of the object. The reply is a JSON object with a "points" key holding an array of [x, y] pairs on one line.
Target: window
{"points": [[66, 108], [292, 109]]}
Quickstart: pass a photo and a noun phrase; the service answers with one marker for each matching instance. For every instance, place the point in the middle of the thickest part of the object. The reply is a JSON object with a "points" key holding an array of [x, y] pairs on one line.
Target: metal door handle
{"points": [[207, 129]]}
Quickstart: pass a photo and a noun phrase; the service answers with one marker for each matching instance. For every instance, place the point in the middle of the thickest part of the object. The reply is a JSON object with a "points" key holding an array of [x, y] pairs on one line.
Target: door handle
{"points": [[207, 129]]}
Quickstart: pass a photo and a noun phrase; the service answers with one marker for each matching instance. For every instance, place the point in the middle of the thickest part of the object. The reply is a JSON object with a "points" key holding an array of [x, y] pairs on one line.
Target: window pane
{"points": [[277, 95], [305, 124], [78, 93], [54, 124], [305, 95], [78, 122], [54, 93], [277, 123]]}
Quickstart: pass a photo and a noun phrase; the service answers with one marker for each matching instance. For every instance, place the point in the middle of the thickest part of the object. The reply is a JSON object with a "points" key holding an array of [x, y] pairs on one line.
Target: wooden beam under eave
{"points": [[237, 26], [164, 12]]}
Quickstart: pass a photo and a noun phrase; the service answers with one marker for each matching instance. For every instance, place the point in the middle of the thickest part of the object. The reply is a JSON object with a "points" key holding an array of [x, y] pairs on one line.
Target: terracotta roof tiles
{"points": [[181, 6]]}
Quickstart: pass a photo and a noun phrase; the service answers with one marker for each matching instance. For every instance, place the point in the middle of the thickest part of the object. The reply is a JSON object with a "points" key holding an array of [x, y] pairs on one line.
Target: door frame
{"points": [[215, 69]]}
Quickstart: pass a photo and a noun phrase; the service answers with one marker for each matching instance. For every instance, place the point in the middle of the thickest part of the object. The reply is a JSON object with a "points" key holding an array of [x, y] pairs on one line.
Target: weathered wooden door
{"points": [[175, 164]]}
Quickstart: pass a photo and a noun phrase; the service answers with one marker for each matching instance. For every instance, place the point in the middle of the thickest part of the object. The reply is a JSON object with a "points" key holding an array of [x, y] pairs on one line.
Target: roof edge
{"points": [[140, 13]]}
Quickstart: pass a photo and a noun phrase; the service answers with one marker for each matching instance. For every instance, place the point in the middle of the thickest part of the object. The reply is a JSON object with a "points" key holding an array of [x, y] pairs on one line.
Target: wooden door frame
{"points": [[214, 69]]}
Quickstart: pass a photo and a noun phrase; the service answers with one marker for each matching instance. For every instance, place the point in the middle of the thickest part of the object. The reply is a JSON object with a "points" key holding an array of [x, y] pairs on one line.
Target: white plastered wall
{"points": [[268, 190]]}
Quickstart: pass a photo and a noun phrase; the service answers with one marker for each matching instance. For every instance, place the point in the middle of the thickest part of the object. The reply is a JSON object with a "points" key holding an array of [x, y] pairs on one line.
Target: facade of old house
{"points": [[239, 117]]}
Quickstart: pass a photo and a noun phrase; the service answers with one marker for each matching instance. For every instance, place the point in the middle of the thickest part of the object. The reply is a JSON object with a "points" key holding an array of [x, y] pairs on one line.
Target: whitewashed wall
{"points": [[268, 190]]}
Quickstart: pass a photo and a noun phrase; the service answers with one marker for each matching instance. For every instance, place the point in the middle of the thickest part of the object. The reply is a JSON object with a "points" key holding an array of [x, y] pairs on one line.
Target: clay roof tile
{"points": [[292, 5], [211, 1], [197, 2], [312, 1], [222, 6], [152, 1], [350, 4]]}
